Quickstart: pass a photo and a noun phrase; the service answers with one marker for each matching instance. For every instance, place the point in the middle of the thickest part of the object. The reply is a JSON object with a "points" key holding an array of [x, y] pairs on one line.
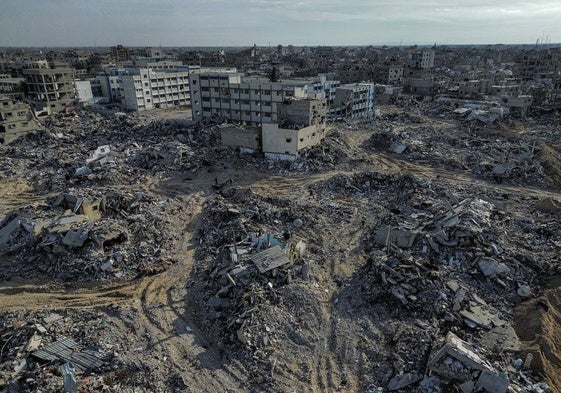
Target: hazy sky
{"points": [[297, 22]]}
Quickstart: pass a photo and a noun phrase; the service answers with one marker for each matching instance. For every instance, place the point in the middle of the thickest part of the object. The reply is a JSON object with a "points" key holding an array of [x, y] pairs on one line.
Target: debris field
{"points": [[411, 252]]}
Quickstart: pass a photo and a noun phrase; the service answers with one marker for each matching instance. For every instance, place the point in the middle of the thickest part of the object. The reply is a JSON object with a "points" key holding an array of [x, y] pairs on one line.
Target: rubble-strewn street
{"points": [[409, 252]]}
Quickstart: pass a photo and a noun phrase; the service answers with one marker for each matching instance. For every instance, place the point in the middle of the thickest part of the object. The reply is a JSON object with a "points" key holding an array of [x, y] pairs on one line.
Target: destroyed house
{"points": [[16, 120]]}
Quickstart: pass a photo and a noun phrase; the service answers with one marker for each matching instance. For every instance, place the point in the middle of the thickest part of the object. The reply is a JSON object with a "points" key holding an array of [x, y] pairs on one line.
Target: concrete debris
{"points": [[456, 359], [69, 378], [403, 380], [492, 382], [401, 249]]}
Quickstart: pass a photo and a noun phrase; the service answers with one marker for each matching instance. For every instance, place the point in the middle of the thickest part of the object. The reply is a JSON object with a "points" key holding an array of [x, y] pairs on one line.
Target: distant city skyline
{"points": [[36, 23]]}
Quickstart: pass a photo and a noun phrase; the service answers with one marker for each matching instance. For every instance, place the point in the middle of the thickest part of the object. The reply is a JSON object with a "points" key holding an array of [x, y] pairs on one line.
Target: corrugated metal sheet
{"points": [[64, 350], [269, 259]]}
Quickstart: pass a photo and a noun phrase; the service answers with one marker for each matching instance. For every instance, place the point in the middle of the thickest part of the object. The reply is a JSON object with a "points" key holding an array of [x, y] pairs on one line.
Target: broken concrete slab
{"points": [[76, 238], [393, 235], [443, 360], [10, 229], [478, 316], [491, 268], [402, 380], [501, 339], [65, 223], [492, 382]]}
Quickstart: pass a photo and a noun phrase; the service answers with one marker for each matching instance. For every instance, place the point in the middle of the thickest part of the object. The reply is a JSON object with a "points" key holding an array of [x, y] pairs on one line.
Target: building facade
{"points": [[140, 89], [232, 96], [52, 88], [355, 100], [16, 120], [151, 89]]}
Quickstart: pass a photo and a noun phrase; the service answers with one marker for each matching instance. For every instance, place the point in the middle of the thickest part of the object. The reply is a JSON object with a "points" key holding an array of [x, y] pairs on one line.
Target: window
{"points": [[194, 82], [301, 139], [288, 140]]}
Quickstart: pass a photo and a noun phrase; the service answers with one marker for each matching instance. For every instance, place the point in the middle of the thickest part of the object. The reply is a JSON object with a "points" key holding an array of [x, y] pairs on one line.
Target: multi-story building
{"points": [[355, 100], [427, 59], [324, 87], [121, 53], [391, 74], [9, 84], [248, 100], [52, 88], [251, 100], [16, 120], [423, 59], [151, 89], [140, 89], [301, 125]]}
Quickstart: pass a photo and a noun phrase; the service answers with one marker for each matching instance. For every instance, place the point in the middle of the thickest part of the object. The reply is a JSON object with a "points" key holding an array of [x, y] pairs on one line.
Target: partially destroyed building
{"points": [[355, 100], [252, 101], [301, 125], [16, 120], [50, 88]]}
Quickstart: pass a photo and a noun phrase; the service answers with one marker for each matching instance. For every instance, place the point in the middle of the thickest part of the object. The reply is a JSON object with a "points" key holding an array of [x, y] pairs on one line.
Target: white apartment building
{"points": [[427, 59], [250, 100], [143, 89], [355, 100]]}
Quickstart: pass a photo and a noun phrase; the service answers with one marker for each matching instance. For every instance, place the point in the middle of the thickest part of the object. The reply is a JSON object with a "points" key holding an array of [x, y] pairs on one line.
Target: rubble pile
{"points": [[461, 263], [483, 154], [90, 236], [249, 256], [379, 271], [88, 149], [36, 347]]}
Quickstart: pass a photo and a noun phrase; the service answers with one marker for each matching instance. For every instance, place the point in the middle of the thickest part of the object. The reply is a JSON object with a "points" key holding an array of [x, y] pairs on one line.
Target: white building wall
{"points": [[84, 91], [249, 101]]}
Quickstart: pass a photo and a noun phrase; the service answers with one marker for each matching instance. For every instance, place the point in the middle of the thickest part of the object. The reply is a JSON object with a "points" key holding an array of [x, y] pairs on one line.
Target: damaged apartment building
{"points": [[140, 89], [16, 119], [300, 125], [49, 89], [252, 101]]}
